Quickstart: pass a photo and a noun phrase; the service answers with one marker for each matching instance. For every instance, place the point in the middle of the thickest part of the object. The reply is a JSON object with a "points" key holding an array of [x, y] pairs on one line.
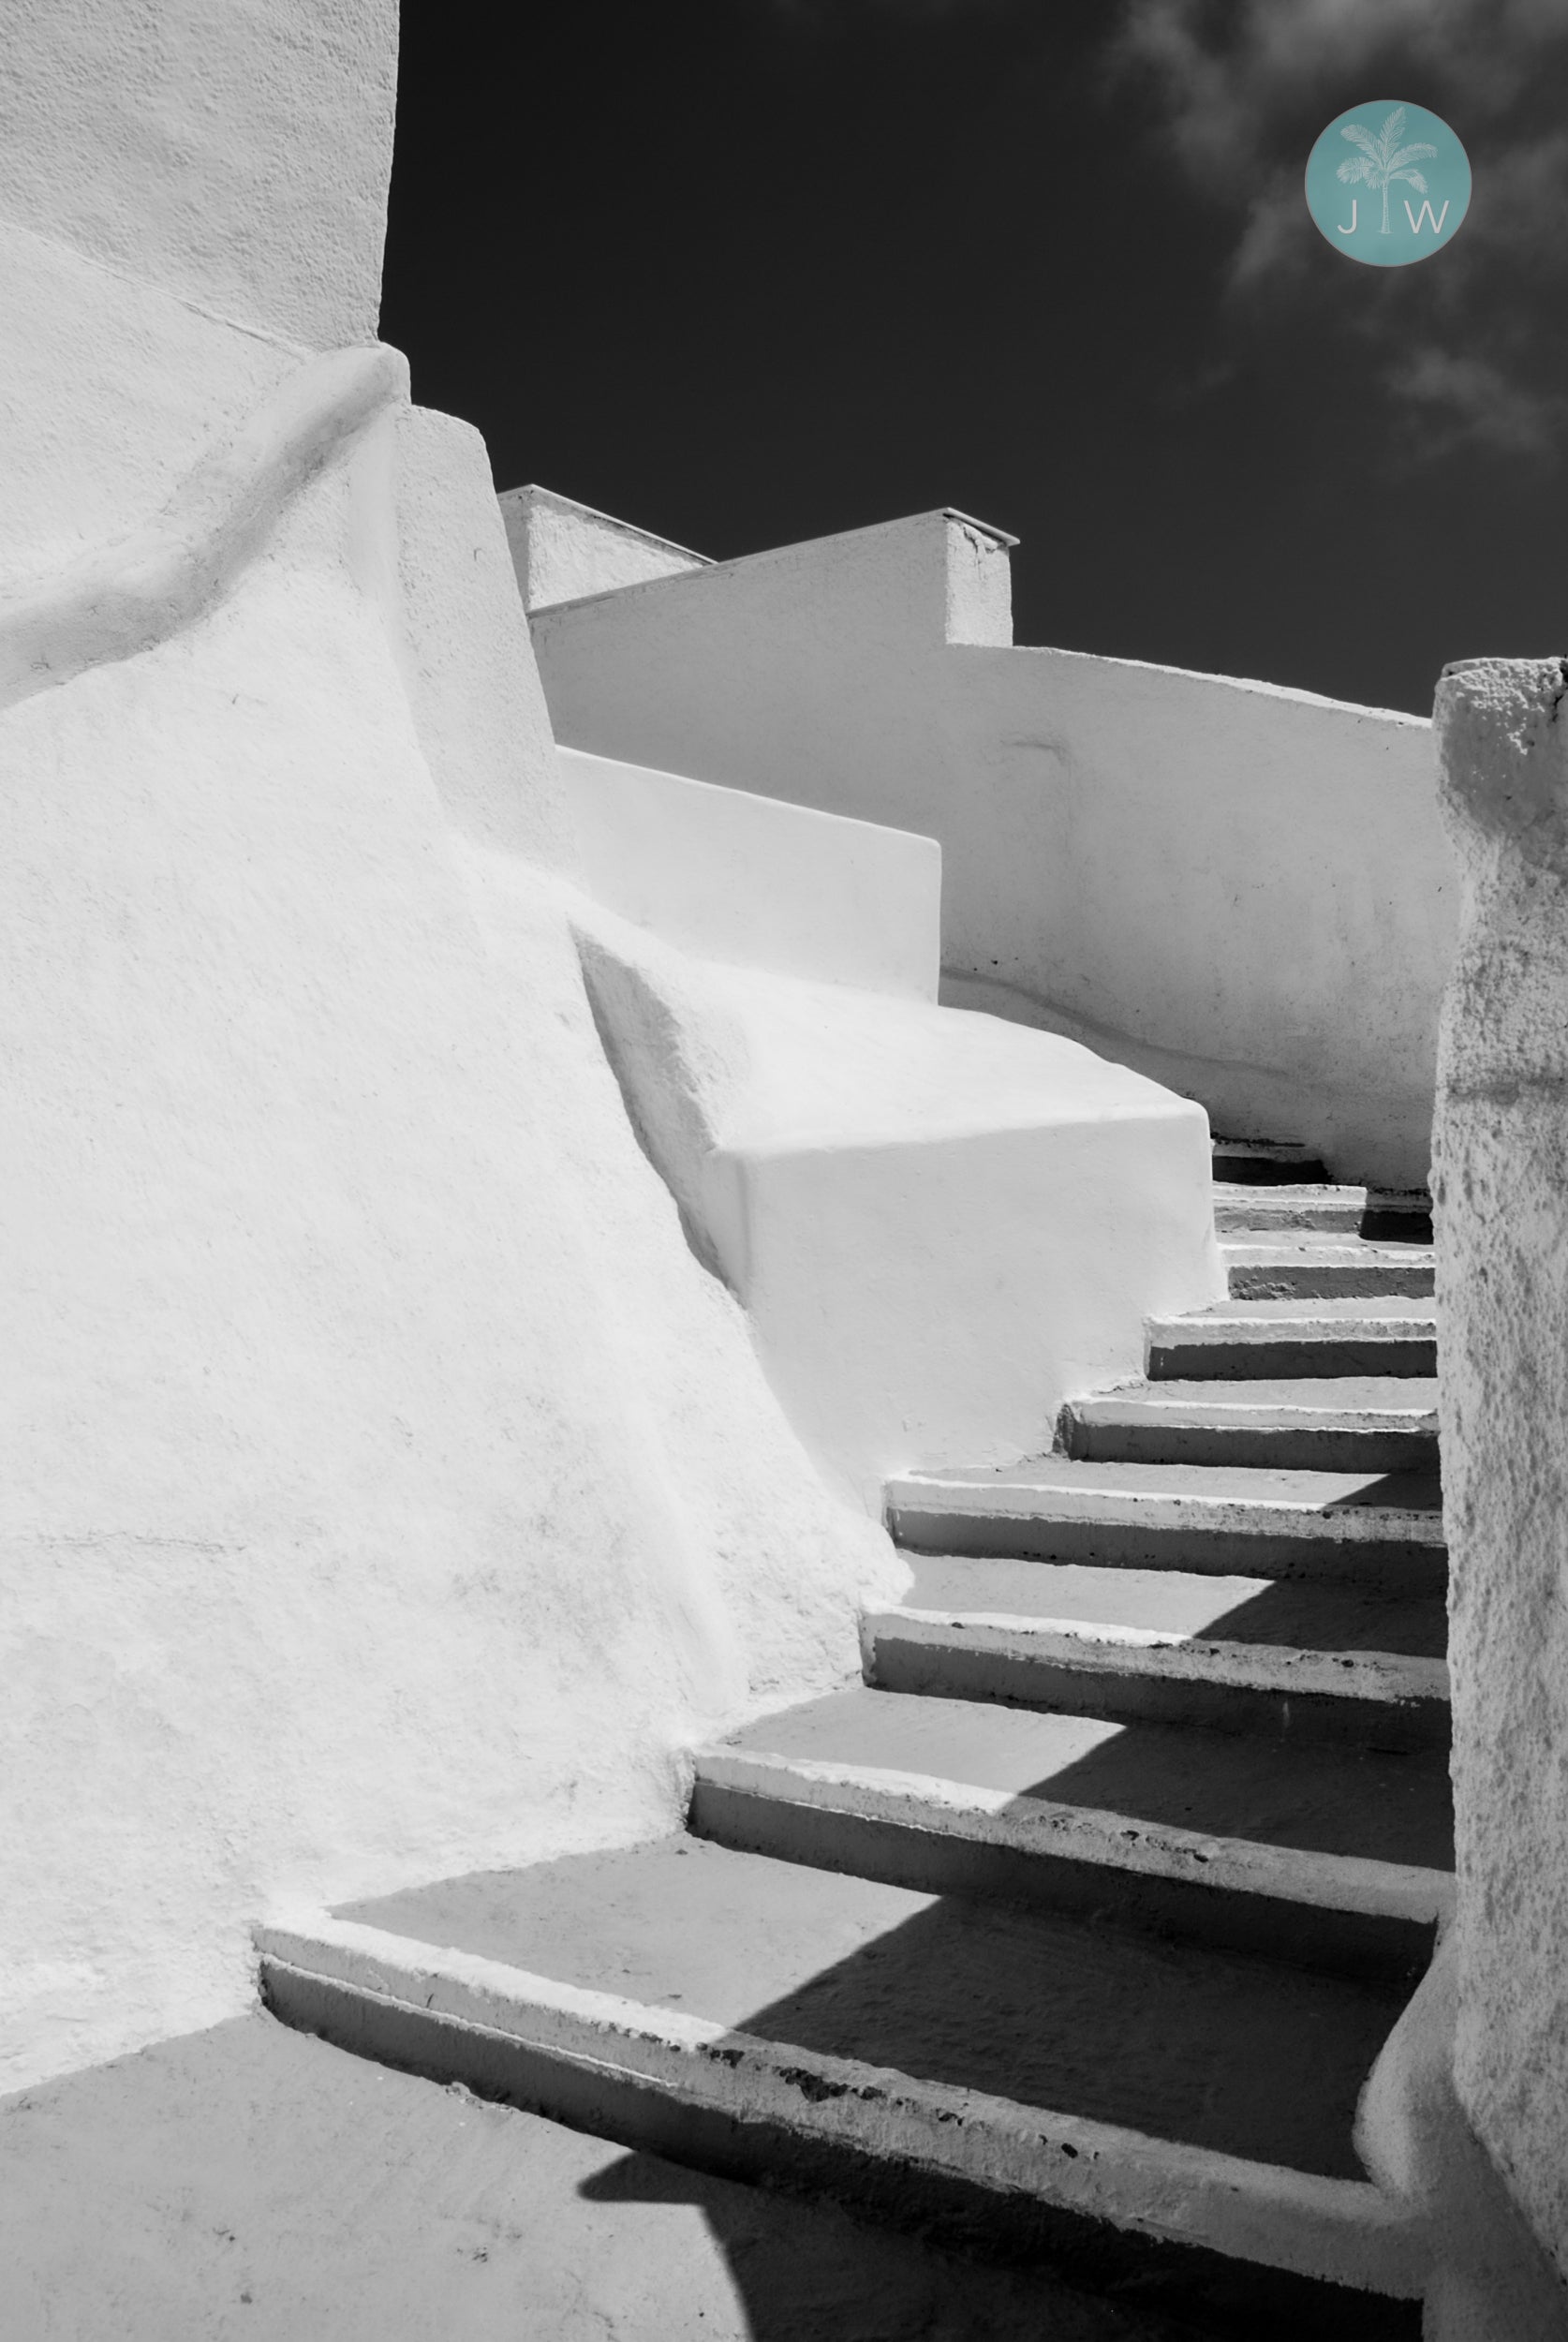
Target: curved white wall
{"points": [[387, 1489]]}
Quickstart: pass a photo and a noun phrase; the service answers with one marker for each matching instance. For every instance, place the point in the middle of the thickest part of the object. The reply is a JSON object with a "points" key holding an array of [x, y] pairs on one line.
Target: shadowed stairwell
{"points": [[1070, 1937]]}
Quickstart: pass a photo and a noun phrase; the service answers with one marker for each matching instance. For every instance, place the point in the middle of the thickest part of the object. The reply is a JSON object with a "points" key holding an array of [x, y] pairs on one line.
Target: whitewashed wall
{"points": [[1240, 890], [387, 1489]]}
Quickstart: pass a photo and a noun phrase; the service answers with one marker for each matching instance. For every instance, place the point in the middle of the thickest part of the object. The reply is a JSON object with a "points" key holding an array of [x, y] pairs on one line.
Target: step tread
{"points": [[1322, 1798], [1344, 1498], [1238, 1219], [1349, 1402], [1272, 1197], [1316, 1614], [1334, 1311], [1214, 2048], [1321, 1244]]}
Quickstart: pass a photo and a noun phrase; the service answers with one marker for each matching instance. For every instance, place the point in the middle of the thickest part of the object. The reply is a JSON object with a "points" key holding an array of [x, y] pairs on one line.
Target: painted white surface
{"points": [[386, 1489], [148, 586], [425, 543], [1241, 891], [234, 152], [732, 876], [562, 550], [940, 1224], [1502, 1196], [1487, 2279], [385, 1485]]}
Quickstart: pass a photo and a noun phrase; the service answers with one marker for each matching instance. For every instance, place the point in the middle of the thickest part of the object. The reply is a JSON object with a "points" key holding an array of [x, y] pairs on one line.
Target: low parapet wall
{"points": [[1240, 890], [737, 877]]}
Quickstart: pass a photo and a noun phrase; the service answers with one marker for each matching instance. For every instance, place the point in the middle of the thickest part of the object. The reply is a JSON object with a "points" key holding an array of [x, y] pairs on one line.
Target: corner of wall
{"points": [[468, 665], [979, 582], [563, 551]]}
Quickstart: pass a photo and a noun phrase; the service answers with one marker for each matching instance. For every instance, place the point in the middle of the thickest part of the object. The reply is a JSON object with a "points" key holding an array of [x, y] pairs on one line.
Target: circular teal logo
{"points": [[1388, 183]]}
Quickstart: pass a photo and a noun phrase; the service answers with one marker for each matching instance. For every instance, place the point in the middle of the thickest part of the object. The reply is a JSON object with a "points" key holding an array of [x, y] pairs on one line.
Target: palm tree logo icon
{"points": [[1382, 160]]}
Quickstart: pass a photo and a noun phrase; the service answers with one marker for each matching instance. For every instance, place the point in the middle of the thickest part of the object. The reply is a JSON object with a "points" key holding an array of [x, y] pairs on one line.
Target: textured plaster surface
{"points": [[234, 152], [144, 588], [1501, 1192], [385, 1481], [1239, 889], [562, 550], [1490, 2280], [939, 1223], [109, 389], [251, 2181]]}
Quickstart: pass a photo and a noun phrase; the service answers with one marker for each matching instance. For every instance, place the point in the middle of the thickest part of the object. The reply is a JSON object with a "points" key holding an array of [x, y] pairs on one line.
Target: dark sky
{"points": [[749, 271]]}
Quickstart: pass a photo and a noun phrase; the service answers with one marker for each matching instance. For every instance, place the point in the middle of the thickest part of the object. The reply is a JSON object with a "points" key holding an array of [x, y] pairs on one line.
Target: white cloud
{"points": [[1474, 403], [1224, 78], [1241, 90]]}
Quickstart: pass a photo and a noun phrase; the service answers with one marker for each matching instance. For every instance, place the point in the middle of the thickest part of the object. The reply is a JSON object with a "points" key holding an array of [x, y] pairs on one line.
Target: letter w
{"points": [[1418, 220]]}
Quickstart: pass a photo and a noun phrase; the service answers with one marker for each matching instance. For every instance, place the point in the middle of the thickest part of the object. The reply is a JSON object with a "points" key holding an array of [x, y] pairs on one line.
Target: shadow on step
{"points": [[842, 2293], [1075, 2291], [1338, 1800], [1196, 2045]]}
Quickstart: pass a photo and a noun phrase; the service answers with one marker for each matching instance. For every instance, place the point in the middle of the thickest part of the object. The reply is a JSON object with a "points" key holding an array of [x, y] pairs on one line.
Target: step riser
{"points": [[1220, 2295], [1331, 1282], [1264, 1170], [1265, 1219], [1394, 1567], [1381, 1227], [1284, 1449], [941, 1862], [958, 1670], [1285, 1360]]}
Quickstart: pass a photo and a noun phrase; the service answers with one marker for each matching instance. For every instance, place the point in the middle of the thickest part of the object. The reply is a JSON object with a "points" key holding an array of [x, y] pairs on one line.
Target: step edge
{"points": [[1349, 1331], [1346, 2232], [1114, 1409], [1389, 1679], [1095, 1834], [1128, 1508], [1325, 1244]]}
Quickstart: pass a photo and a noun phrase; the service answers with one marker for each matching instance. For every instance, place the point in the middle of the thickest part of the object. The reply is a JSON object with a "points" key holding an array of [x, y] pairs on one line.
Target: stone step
{"points": [[1282, 1340], [1313, 1266], [1238, 1206], [1127, 2108], [1331, 1614], [1341, 1423], [1258, 1163], [1370, 1700], [1338, 1858], [1382, 1529]]}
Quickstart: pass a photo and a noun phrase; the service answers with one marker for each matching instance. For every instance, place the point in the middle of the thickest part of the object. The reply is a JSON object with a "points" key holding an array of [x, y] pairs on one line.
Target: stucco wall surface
{"points": [[110, 389], [732, 876], [1502, 1196], [234, 152], [940, 1224], [387, 1487], [1241, 891], [562, 550]]}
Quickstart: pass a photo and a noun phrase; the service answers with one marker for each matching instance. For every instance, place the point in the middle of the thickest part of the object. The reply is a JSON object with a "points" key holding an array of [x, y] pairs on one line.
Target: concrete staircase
{"points": [[1072, 1932]]}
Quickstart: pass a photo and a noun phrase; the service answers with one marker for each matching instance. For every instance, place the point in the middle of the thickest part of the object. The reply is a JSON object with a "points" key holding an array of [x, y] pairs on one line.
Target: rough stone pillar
{"points": [[1500, 1186]]}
